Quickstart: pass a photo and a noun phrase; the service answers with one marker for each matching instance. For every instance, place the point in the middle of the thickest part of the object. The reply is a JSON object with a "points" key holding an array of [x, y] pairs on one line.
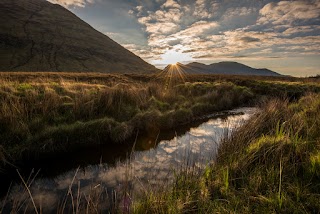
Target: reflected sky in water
{"points": [[151, 168]]}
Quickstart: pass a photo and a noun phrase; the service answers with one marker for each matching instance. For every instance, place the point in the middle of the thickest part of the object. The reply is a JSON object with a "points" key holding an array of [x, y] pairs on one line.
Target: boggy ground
{"points": [[46, 113], [269, 165]]}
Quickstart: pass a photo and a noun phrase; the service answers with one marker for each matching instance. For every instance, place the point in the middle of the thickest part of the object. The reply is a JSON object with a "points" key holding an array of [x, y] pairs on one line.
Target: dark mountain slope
{"points": [[36, 35]]}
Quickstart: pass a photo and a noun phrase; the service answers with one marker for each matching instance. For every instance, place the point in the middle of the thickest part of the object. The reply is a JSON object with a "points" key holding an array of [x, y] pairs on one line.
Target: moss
{"points": [[157, 104], [201, 108], [95, 131], [182, 116], [166, 120], [266, 141], [121, 132], [146, 120], [24, 87]]}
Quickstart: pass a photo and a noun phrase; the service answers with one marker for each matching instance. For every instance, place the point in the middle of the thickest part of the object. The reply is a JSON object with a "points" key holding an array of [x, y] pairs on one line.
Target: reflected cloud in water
{"points": [[154, 167]]}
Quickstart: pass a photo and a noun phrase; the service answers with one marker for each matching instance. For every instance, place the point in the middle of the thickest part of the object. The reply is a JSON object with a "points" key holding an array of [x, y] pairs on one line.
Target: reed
{"points": [[269, 165], [48, 112]]}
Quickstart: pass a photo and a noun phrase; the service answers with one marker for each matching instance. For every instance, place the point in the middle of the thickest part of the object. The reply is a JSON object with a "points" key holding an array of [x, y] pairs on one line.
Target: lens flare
{"points": [[175, 74]]}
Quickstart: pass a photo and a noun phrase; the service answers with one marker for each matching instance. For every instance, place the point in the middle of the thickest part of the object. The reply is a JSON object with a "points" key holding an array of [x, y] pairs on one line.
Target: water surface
{"points": [[150, 162]]}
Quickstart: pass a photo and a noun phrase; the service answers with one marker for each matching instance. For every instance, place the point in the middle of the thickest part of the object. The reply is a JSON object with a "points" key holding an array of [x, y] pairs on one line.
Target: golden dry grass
{"points": [[58, 110], [269, 165]]}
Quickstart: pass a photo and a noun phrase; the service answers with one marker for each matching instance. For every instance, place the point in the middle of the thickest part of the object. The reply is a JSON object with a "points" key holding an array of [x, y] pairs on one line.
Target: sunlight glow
{"points": [[173, 74], [172, 57]]}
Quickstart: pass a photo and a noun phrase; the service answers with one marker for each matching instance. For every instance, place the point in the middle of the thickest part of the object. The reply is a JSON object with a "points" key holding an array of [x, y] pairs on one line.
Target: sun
{"points": [[173, 57], [173, 74]]}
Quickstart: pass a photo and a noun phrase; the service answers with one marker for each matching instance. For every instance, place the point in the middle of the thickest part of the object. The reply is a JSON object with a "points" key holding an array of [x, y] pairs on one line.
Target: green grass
{"points": [[52, 112], [269, 165]]}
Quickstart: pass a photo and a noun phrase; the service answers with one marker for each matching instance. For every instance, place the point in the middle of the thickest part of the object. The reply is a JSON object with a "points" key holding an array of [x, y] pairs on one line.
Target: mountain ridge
{"points": [[227, 68], [40, 36]]}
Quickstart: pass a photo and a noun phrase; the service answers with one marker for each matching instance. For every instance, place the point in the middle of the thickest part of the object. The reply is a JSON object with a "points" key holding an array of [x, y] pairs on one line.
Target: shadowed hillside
{"points": [[40, 36]]}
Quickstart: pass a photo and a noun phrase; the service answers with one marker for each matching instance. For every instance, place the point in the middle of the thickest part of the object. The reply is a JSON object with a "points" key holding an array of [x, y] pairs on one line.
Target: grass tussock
{"points": [[269, 165], [50, 112]]}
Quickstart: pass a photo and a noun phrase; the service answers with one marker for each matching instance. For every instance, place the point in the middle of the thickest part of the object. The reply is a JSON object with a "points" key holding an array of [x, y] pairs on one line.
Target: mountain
{"points": [[228, 68], [36, 35]]}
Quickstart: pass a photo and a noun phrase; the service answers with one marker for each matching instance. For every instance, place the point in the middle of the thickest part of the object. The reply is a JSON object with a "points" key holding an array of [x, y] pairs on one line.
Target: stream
{"points": [[109, 171]]}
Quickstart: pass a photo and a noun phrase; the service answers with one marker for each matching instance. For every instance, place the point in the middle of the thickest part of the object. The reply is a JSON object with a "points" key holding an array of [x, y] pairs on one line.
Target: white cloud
{"points": [[210, 29], [197, 29], [286, 12], [69, 3], [139, 8], [161, 27], [171, 4]]}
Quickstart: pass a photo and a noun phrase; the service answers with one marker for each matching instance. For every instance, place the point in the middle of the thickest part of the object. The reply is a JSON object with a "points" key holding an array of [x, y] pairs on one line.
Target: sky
{"points": [[283, 36]]}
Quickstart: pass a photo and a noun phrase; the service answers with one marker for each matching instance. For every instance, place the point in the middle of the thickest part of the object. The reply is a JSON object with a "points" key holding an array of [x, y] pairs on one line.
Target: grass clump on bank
{"points": [[269, 165], [51, 112]]}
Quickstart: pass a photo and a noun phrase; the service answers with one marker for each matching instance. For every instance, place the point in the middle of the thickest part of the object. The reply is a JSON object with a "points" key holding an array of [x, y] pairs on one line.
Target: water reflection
{"points": [[144, 168]]}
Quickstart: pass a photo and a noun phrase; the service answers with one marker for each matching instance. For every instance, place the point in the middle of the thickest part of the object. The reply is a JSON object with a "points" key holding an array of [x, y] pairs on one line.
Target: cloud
{"points": [[161, 27], [229, 29], [171, 4], [249, 44], [139, 50], [239, 11], [248, 39], [197, 29], [207, 29], [173, 42], [201, 9], [69, 3], [300, 29], [161, 22], [288, 12]]}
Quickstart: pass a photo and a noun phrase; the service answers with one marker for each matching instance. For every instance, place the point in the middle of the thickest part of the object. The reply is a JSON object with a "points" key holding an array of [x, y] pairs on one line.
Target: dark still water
{"points": [[106, 171]]}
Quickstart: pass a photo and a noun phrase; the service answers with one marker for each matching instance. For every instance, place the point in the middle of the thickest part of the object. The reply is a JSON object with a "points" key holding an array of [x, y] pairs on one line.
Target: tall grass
{"points": [[50, 112], [269, 165]]}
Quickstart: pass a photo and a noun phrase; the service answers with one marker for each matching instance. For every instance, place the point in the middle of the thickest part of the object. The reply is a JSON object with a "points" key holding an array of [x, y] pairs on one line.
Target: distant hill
{"points": [[36, 35], [227, 68]]}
